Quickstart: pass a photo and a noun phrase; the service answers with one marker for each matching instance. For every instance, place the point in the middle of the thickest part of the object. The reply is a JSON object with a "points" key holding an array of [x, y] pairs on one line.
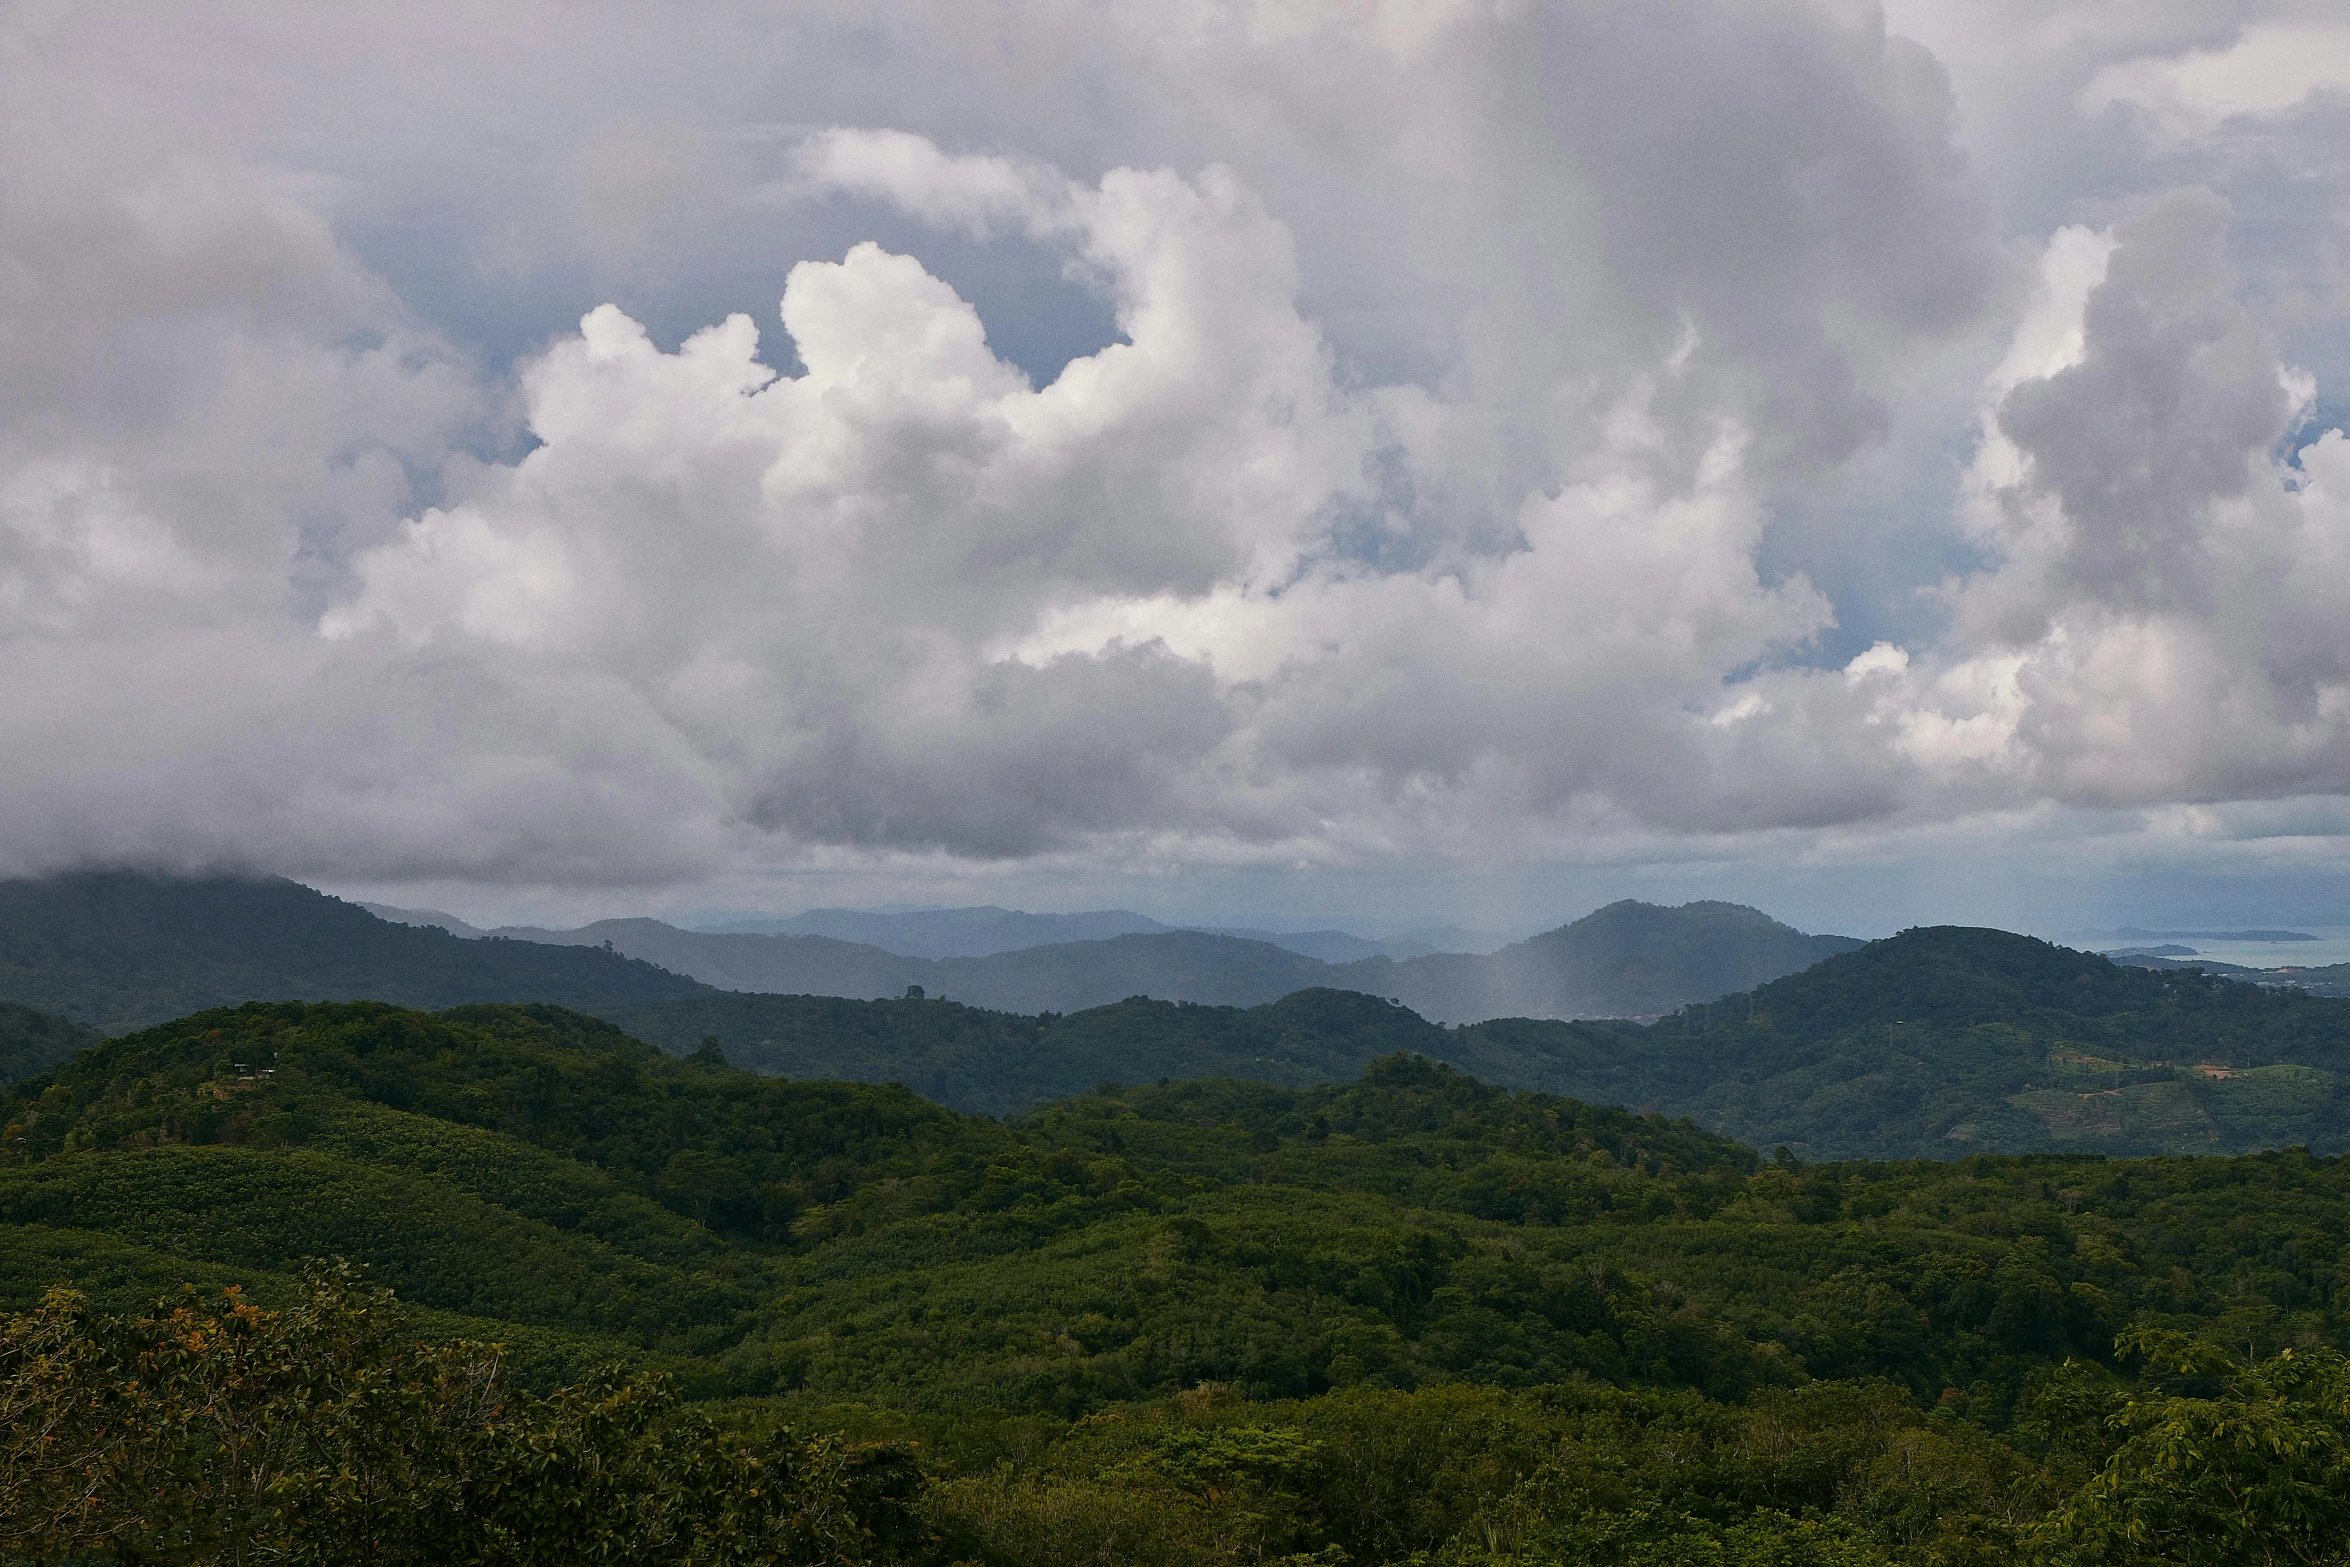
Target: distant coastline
{"points": [[2135, 933]]}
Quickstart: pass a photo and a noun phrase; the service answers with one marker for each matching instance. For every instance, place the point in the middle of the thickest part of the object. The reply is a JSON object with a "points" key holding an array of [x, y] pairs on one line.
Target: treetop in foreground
{"points": [[212, 1430]]}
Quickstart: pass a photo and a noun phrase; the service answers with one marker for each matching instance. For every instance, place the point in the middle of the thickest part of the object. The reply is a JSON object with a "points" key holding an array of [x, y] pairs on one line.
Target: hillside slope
{"points": [[772, 965], [536, 1177], [32, 1042], [1946, 1041], [116, 950], [999, 1063], [1932, 1044]]}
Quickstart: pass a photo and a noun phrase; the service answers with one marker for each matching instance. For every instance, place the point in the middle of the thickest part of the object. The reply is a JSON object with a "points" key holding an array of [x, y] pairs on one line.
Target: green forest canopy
{"points": [[1204, 1320]]}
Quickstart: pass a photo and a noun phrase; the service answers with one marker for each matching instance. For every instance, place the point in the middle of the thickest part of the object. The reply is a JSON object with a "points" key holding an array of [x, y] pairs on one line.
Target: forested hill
{"points": [[546, 1176], [530, 1166], [999, 1063], [1411, 1317], [1945, 1041], [121, 950], [117, 950], [1932, 1044]]}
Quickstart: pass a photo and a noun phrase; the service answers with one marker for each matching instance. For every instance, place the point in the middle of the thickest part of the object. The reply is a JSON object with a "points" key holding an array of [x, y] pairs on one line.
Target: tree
{"points": [[219, 1432], [702, 1179], [2231, 1464]]}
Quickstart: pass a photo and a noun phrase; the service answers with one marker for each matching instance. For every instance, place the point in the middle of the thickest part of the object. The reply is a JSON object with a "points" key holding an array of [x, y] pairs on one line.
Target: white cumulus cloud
{"points": [[1160, 436]]}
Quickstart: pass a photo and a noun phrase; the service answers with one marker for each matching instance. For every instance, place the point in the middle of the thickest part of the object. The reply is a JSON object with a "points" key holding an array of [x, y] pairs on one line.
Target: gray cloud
{"points": [[2172, 410], [388, 489]]}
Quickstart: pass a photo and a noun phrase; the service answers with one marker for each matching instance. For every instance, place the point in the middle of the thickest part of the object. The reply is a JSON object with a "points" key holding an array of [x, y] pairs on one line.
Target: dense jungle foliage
{"points": [[1198, 1321], [218, 1431], [34, 1042], [1000, 1063]]}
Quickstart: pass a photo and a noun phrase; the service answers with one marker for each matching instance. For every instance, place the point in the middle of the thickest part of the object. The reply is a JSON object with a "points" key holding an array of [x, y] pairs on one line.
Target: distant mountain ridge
{"points": [[1003, 1063], [1933, 1043], [1936, 1043], [984, 931], [976, 932], [116, 950], [1629, 959]]}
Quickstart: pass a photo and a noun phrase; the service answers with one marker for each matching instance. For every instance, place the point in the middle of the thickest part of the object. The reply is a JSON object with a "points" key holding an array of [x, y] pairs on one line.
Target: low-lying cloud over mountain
{"points": [[1118, 440]]}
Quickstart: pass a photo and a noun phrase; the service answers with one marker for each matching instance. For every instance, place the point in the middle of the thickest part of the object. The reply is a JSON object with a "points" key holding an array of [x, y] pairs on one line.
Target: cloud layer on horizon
{"points": [[1524, 432]]}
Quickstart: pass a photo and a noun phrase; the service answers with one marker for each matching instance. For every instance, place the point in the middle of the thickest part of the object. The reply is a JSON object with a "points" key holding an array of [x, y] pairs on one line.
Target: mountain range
{"points": [[985, 930], [1936, 1042], [1626, 960], [117, 950]]}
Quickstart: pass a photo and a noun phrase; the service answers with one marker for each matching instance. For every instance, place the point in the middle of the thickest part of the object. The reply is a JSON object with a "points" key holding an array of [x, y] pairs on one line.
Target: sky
{"points": [[1391, 461]]}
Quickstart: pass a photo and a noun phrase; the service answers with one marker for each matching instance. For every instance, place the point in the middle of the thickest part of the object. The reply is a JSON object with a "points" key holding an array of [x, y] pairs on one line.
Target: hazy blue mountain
{"points": [[934, 933], [1175, 965], [117, 950], [949, 933], [435, 917], [1626, 960], [986, 930], [1452, 938], [783, 965], [1629, 959], [1327, 946], [1181, 965]]}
